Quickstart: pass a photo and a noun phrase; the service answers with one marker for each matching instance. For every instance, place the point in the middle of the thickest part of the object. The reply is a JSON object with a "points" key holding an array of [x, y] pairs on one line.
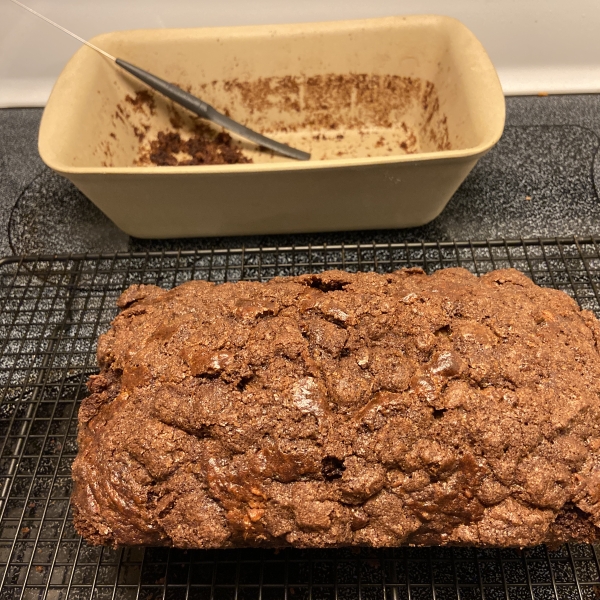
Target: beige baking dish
{"points": [[396, 111]]}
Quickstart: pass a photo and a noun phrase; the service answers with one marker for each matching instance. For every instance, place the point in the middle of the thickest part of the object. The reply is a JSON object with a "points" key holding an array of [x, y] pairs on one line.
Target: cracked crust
{"points": [[343, 409]]}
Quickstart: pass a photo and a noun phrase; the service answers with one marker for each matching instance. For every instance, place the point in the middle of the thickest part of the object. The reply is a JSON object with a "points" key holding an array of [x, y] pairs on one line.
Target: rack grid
{"points": [[52, 309]]}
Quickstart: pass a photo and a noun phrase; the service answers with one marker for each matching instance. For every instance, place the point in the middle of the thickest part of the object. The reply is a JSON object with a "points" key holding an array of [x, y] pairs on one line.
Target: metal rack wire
{"points": [[52, 310]]}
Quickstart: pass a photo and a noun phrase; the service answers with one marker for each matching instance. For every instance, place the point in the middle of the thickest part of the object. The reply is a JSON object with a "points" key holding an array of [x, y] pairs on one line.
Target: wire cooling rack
{"points": [[52, 310]]}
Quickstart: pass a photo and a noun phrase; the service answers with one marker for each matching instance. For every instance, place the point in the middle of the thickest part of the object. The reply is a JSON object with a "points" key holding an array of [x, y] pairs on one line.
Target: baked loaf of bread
{"points": [[343, 409]]}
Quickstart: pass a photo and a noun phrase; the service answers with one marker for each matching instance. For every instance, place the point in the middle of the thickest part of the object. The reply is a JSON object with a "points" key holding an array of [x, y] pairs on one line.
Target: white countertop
{"points": [[536, 45]]}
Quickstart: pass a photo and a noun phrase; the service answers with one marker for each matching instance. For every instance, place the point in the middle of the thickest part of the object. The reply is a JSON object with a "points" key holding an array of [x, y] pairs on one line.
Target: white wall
{"points": [[537, 45]]}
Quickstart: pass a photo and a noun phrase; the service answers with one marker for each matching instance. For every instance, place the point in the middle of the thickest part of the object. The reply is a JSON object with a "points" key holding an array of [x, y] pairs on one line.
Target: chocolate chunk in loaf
{"points": [[343, 409]]}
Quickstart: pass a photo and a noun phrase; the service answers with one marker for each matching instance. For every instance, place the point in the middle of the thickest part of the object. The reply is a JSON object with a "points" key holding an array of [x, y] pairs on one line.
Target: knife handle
{"points": [[206, 111], [171, 91]]}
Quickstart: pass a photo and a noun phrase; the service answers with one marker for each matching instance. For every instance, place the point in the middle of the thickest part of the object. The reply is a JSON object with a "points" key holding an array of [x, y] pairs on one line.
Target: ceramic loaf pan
{"points": [[395, 111]]}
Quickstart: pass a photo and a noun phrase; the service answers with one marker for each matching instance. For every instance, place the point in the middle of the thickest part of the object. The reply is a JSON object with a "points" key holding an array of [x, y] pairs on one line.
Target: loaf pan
{"points": [[396, 111]]}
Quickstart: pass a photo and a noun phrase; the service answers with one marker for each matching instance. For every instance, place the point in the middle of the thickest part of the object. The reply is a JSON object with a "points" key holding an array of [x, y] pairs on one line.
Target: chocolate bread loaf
{"points": [[343, 409]]}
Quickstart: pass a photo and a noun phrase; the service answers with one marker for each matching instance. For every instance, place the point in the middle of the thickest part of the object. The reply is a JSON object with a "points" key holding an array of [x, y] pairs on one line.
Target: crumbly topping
{"points": [[343, 409]]}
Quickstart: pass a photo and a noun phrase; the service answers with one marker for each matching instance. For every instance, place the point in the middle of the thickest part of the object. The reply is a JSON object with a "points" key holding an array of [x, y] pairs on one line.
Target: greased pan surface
{"points": [[395, 111]]}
